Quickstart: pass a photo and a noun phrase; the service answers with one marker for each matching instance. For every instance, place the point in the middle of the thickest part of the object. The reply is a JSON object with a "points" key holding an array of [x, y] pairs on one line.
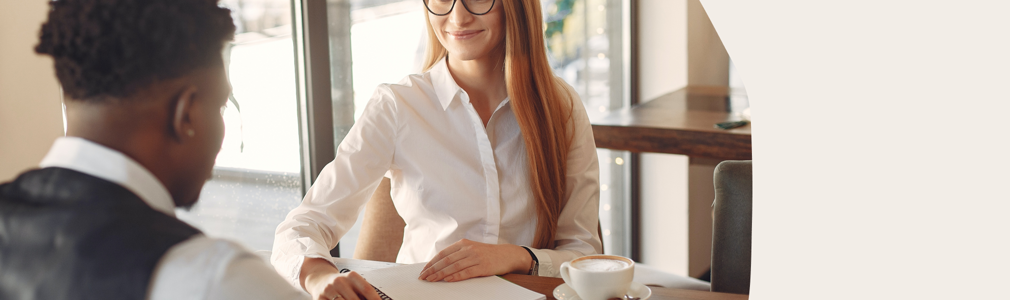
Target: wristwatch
{"points": [[534, 264]]}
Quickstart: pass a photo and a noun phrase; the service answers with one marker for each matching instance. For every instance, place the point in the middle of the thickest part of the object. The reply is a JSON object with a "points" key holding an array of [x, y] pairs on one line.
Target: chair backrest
{"points": [[731, 227], [382, 227]]}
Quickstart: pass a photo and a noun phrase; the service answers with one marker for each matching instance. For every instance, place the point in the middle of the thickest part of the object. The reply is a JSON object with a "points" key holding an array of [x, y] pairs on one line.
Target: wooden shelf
{"points": [[681, 122]]}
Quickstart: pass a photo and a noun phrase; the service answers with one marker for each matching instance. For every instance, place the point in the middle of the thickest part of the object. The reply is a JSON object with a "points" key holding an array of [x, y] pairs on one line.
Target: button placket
{"points": [[492, 220]]}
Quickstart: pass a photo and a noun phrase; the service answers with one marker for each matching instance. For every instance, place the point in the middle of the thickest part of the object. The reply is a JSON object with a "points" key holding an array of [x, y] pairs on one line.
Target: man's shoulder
{"points": [[203, 267], [56, 185], [193, 268], [202, 247]]}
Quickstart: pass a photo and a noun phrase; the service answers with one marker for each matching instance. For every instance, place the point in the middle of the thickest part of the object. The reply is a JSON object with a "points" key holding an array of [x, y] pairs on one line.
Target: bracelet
{"points": [[535, 264]]}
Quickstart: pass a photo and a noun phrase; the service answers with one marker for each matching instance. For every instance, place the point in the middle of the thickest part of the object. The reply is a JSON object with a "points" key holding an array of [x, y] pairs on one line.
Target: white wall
{"points": [[677, 47], [30, 109], [880, 146], [664, 221], [662, 58], [708, 62]]}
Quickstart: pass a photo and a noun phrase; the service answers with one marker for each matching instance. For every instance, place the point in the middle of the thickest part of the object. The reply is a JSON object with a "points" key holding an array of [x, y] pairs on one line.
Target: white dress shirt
{"points": [[197, 268], [452, 178]]}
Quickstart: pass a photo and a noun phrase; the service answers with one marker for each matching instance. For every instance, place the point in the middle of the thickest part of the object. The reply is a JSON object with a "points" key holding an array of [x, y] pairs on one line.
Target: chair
{"points": [[731, 227], [381, 229]]}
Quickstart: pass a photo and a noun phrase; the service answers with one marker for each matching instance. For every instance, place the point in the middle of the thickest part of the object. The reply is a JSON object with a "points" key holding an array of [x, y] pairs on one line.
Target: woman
{"points": [[486, 150]]}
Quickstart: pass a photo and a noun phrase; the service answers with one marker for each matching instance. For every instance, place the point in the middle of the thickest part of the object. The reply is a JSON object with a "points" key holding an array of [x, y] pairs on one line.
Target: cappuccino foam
{"points": [[600, 265]]}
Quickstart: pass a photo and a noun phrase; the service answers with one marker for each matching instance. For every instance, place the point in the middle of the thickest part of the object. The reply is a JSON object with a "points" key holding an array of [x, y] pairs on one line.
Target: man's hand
{"points": [[467, 259], [323, 282]]}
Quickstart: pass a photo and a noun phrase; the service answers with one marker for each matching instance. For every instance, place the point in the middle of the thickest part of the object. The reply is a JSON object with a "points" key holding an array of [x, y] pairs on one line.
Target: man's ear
{"points": [[182, 125]]}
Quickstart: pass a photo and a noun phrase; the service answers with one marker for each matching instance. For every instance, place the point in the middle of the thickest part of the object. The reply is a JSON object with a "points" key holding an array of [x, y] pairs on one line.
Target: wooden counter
{"points": [[681, 122]]}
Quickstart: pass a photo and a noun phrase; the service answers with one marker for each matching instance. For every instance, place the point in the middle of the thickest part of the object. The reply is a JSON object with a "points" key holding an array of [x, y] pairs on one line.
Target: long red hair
{"points": [[542, 107]]}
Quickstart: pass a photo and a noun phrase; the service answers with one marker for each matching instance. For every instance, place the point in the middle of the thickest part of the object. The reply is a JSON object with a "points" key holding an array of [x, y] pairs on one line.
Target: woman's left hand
{"points": [[467, 259]]}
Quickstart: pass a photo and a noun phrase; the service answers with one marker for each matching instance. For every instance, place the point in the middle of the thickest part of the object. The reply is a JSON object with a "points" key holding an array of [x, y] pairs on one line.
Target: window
{"points": [[371, 42], [588, 43], [257, 178]]}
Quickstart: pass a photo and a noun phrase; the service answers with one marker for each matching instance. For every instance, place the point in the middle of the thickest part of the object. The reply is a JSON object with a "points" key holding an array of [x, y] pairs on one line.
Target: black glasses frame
{"points": [[454, 6]]}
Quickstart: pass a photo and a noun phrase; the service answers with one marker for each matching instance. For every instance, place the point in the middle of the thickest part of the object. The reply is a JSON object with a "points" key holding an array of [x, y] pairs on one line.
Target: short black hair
{"points": [[104, 48]]}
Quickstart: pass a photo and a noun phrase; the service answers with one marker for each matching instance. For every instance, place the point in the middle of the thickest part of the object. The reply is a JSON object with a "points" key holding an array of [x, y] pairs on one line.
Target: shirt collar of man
{"points": [[90, 158], [446, 88]]}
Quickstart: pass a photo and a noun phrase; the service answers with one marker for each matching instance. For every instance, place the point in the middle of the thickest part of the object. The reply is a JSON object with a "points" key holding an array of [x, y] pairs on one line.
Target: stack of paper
{"points": [[401, 283]]}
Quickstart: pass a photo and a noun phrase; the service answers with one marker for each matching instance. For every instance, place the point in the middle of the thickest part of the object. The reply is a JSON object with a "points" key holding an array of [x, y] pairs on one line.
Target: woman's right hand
{"points": [[323, 282]]}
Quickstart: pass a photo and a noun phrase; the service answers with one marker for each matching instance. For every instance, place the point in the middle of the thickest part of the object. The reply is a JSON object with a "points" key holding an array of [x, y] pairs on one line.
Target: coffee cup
{"points": [[599, 277]]}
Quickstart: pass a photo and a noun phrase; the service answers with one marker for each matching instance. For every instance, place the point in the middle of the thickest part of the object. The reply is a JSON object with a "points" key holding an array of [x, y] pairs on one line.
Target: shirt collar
{"points": [[446, 88], [90, 158]]}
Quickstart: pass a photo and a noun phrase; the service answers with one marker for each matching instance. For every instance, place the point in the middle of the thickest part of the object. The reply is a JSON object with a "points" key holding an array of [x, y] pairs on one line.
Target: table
{"points": [[681, 122], [546, 285]]}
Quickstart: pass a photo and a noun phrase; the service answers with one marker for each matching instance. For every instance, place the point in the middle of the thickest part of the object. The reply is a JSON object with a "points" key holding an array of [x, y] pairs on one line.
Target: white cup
{"points": [[599, 277]]}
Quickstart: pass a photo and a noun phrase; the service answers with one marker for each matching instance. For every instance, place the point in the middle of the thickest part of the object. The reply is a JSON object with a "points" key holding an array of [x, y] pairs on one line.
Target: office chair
{"points": [[731, 227], [381, 229]]}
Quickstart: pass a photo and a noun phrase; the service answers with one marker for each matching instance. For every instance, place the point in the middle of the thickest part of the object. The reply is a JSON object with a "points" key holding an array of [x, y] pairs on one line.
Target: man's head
{"points": [[147, 78]]}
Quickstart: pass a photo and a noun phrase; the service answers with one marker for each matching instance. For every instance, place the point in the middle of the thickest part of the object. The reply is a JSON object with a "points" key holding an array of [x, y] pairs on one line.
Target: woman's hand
{"points": [[467, 259], [323, 282]]}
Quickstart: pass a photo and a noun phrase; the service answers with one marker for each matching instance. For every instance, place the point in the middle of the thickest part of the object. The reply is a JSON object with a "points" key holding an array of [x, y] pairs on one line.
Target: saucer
{"points": [[565, 292]]}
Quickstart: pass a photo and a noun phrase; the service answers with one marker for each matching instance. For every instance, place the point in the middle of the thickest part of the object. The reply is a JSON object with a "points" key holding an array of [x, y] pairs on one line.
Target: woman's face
{"points": [[467, 36]]}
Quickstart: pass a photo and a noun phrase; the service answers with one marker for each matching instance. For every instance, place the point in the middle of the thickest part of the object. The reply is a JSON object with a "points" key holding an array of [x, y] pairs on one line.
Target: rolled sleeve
{"points": [[334, 201]]}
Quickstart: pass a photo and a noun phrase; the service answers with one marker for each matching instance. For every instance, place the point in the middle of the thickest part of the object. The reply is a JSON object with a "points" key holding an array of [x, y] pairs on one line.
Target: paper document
{"points": [[401, 283], [358, 265]]}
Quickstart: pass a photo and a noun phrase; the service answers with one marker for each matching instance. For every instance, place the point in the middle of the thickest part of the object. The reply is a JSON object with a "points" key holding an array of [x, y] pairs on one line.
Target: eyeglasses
{"points": [[444, 7]]}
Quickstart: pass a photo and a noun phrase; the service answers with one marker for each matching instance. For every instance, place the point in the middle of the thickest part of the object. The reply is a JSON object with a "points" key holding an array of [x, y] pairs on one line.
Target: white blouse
{"points": [[451, 179]]}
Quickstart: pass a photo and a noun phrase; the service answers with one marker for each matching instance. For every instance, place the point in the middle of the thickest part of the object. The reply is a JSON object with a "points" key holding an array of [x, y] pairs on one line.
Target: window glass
{"points": [[586, 46], [371, 42], [256, 179]]}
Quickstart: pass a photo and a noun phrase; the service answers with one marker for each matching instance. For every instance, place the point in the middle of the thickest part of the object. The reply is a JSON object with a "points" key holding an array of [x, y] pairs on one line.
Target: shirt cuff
{"points": [[298, 266], [546, 268]]}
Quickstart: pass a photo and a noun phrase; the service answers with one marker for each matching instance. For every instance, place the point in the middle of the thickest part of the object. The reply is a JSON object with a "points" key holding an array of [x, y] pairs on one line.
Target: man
{"points": [[144, 84]]}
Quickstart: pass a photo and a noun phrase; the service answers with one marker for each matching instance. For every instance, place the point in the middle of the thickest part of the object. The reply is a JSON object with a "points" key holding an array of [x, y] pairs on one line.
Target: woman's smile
{"points": [[463, 34]]}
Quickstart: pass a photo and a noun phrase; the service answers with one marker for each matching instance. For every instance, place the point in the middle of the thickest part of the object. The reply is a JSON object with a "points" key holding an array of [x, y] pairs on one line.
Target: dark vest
{"points": [[69, 235]]}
